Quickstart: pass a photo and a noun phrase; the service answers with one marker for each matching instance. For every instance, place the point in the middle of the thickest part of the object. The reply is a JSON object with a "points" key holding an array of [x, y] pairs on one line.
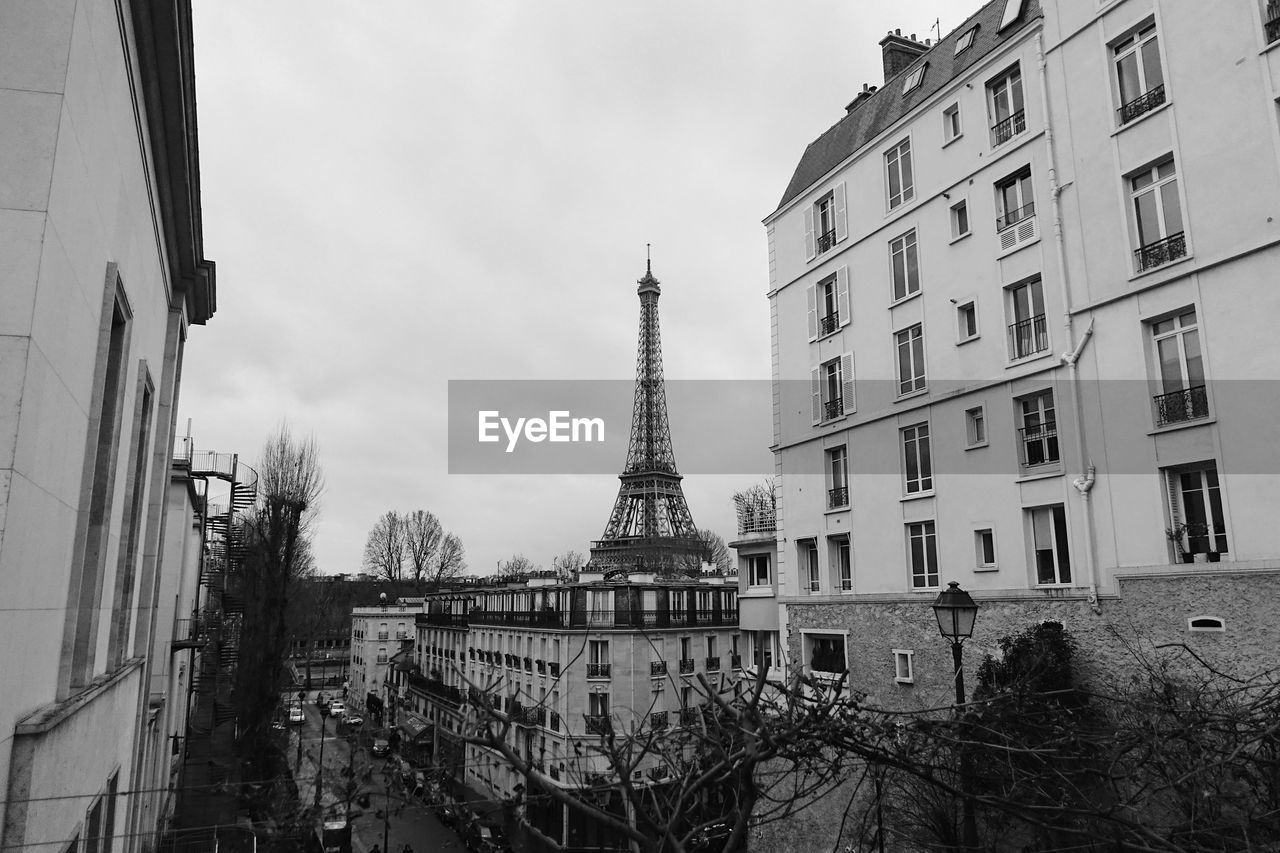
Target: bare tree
{"points": [[713, 550], [517, 566], [385, 549], [422, 533], [450, 560], [568, 563]]}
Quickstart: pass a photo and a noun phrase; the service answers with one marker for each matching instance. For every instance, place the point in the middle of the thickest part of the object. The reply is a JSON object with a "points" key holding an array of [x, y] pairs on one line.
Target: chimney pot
{"points": [[897, 32], [913, 36]]}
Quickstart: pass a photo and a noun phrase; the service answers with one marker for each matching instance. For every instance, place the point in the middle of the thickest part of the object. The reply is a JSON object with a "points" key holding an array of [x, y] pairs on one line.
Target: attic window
{"points": [[966, 39], [1012, 9], [1206, 623], [915, 78]]}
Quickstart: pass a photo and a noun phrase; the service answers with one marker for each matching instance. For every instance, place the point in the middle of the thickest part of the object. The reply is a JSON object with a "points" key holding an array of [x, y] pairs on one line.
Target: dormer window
{"points": [[966, 39], [914, 79]]}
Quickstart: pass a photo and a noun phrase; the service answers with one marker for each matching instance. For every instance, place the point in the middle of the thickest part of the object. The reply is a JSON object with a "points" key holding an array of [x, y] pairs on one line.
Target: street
{"points": [[407, 820]]}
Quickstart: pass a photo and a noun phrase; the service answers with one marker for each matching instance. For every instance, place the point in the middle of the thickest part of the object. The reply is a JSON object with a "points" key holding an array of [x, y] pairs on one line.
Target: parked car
{"points": [[483, 837], [381, 746], [449, 808], [337, 708], [353, 721], [296, 715]]}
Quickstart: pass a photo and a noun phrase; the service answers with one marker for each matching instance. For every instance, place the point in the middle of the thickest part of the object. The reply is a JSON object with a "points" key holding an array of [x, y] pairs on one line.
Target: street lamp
{"points": [[956, 612], [320, 766]]}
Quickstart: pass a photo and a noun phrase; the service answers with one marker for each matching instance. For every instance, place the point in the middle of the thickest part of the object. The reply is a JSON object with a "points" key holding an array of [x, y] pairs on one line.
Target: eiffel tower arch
{"points": [[650, 527]]}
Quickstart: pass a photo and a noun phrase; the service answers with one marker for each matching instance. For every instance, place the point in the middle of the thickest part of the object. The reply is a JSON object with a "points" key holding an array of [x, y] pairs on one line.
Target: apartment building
{"points": [[570, 661], [378, 634], [104, 277], [1022, 295]]}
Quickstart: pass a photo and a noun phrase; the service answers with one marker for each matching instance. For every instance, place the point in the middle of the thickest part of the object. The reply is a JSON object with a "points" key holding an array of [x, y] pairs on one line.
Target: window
{"points": [[825, 223], [1139, 78], [1182, 394], [826, 653], [843, 563], [898, 168], [1012, 10], [759, 570], [951, 123], [1052, 558], [959, 219], [837, 477], [829, 304], [1195, 508], [922, 548], [904, 671], [382, 654], [809, 560], [966, 39], [984, 548], [967, 321], [1028, 333], [1014, 201], [914, 78], [1156, 227], [832, 386], [904, 265], [598, 704], [1004, 101], [1037, 429], [916, 464], [975, 426], [910, 344], [1272, 23], [763, 644]]}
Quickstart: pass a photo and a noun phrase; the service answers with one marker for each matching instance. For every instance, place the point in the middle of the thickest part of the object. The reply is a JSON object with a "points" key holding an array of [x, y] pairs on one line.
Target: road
{"points": [[406, 820]]}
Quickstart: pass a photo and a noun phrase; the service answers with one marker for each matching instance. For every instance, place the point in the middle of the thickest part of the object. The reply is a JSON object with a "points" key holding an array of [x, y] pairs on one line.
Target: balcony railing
{"points": [[1003, 131], [447, 620], [554, 667], [598, 724], [657, 667], [528, 664], [837, 497], [554, 772], [1013, 217], [689, 716], [826, 241], [829, 323], [383, 635], [713, 664], [1161, 251], [686, 666], [519, 618], [598, 670], [832, 409], [1142, 104], [1039, 444], [553, 721], [658, 720], [1185, 405], [612, 618], [1028, 337], [1272, 24], [541, 666]]}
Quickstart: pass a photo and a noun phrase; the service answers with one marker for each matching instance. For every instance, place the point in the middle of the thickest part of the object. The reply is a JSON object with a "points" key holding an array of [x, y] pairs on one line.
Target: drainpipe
{"points": [[1083, 483]]}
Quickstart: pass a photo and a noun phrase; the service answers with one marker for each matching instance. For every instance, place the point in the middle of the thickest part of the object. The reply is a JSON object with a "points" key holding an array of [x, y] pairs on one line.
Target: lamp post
{"points": [[320, 765], [386, 807], [956, 612]]}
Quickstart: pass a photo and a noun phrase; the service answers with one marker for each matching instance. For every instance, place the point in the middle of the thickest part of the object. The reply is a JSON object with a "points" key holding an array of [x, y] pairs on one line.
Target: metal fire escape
{"points": [[650, 527]]}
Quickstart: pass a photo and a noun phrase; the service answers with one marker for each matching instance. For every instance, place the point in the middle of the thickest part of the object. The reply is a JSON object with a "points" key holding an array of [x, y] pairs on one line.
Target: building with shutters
{"points": [[1022, 294]]}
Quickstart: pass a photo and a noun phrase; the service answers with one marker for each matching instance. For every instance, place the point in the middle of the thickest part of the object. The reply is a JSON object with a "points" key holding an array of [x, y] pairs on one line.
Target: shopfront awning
{"points": [[414, 727]]}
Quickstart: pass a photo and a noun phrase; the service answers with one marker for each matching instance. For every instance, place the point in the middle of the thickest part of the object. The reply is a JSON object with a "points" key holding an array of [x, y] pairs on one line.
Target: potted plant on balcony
{"points": [[1200, 541], [1177, 535]]}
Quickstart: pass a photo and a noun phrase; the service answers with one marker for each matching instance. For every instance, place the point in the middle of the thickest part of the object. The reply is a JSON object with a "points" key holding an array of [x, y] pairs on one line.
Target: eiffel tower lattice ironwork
{"points": [[650, 527]]}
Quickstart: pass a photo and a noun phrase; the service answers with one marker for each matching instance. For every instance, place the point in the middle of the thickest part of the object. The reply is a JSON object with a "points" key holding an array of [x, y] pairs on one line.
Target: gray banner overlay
{"points": [[726, 426]]}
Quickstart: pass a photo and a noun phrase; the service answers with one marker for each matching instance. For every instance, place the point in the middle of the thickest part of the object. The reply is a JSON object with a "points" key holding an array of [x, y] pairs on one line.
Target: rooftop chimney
{"points": [[899, 52], [867, 92]]}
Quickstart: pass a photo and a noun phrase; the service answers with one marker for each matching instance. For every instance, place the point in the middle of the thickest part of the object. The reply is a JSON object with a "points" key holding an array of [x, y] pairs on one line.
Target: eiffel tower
{"points": [[650, 527]]}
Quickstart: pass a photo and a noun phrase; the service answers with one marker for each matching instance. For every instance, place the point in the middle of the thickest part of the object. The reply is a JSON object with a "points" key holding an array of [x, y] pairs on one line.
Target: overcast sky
{"points": [[406, 192]]}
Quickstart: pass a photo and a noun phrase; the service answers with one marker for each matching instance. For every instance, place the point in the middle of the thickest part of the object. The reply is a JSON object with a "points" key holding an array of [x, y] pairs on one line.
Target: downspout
{"points": [[1084, 483]]}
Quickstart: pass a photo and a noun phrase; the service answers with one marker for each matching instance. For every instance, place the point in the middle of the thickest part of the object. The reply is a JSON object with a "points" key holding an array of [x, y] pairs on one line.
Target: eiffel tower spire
{"points": [[650, 525]]}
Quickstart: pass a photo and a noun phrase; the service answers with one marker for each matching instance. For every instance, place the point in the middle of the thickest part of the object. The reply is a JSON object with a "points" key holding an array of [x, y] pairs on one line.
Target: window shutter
{"points": [[846, 380], [1175, 498], [816, 384], [810, 245], [842, 225], [811, 294], [842, 295]]}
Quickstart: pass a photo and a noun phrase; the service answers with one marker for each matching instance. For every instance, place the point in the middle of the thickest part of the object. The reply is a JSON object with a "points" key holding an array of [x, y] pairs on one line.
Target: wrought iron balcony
{"points": [[658, 720], [1144, 103], [447, 620], [837, 497], [657, 667], [554, 772], [1161, 251], [554, 667], [829, 323], [713, 664], [832, 409], [1188, 404], [1003, 131], [1013, 217], [826, 241], [541, 666], [686, 666], [553, 721], [528, 664], [598, 724], [689, 716], [1039, 444], [598, 670], [1028, 337]]}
